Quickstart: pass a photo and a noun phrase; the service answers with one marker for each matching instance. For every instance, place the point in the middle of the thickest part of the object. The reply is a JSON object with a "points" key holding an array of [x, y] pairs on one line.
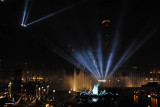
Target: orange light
{"points": [[104, 21], [151, 79], [146, 79]]}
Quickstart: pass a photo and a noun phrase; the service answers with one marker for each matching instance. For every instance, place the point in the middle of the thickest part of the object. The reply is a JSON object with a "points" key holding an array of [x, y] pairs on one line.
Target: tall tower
{"points": [[106, 38]]}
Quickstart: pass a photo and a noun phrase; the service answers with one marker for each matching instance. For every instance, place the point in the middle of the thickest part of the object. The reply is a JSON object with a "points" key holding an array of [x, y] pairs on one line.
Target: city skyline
{"points": [[67, 53], [78, 26]]}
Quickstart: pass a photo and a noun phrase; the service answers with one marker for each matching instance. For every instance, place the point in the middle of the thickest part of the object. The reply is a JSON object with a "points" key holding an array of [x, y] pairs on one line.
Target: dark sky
{"points": [[77, 26]]}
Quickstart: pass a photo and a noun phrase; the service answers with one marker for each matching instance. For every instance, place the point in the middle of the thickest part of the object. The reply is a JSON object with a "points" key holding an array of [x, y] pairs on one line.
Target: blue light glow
{"points": [[100, 56], [52, 14], [122, 59], [111, 55], [130, 51], [85, 60], [24, 13], [108, 64], [27, 11], [91, 59], [94, 99], [63, 54], [26, 18], [95, 89]]}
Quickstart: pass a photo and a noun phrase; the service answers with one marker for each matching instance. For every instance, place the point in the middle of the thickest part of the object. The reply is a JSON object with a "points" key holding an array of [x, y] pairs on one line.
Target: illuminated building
{"points": [[125, 77], [32, 76], [106, 37], [133, 77]]}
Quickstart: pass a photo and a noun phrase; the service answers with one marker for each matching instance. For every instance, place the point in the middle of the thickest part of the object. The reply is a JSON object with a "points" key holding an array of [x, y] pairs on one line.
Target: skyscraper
{"points": [[106, 37]]}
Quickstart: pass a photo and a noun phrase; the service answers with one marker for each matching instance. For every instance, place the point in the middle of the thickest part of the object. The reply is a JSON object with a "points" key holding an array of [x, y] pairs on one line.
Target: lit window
{"points": [[151, 79], [146, 79]]}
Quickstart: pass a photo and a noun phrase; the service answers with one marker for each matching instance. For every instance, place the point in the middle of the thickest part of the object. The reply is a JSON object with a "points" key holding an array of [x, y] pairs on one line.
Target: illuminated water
{"points": [[95, 89]]}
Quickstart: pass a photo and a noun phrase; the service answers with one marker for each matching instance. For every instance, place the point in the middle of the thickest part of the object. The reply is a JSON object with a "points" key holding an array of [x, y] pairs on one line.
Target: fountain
{"points": [[95, 89], [82, 81], [95, 95]]}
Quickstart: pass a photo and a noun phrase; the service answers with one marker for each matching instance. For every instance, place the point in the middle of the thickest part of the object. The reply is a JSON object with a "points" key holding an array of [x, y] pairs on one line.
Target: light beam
{"points": [[24, 14], [100, 56], [111, 55], [130, 51], [50, 15]]}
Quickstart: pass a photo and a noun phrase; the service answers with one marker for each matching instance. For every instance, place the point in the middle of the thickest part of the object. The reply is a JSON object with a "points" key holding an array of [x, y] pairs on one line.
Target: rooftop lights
{"points": [[101, 80]]}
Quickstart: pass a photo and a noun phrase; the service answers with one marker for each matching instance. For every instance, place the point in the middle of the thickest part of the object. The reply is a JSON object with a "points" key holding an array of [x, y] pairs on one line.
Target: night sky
{"points": [[76, 28]]}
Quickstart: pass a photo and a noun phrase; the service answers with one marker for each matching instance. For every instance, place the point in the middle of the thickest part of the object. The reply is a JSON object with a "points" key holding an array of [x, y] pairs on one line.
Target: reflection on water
{"points": [[149, 100], [147, 95], [135, 99], [154, 102]]}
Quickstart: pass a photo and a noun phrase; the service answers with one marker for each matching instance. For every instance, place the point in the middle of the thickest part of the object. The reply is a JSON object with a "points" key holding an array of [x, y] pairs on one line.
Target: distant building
{"points": [[133, 77], [106, 37]]}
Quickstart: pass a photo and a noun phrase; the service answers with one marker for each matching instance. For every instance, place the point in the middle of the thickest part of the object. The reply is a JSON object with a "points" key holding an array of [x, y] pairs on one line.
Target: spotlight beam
{"points": [[67, 57], [85, 64], [84, 59], [123, 58], [109, 64], [27, 14], [79, 60], [100, 57], [142, 42], [89, 62], [24, 13], [131, 50], [93, 62], [112, 54], [61, 53], [114, 45], [50, 15]]}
